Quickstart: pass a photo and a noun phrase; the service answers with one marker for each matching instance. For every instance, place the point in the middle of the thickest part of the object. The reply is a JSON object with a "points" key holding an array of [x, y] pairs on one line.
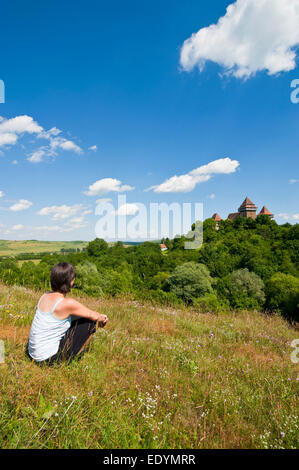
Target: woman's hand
{"points": [[102, 320]]}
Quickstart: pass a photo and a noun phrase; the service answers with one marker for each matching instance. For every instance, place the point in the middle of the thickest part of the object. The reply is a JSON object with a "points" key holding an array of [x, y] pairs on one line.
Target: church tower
{"points": [[248, 209], [266, 211], [217, 219]]}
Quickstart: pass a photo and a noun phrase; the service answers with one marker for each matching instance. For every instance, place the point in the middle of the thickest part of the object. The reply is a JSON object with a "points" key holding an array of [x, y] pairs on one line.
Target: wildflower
{"points": [[90, 393], [282, 434]]}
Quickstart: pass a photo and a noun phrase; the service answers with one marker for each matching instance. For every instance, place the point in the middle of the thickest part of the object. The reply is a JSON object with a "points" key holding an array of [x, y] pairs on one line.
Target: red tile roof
{"points": [[216, 217], [233, 215], [247, 204], [265, 211]]}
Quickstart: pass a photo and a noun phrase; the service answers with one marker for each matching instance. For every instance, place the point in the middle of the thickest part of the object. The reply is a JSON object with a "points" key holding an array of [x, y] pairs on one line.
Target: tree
{"points": [[97, 247], [190, 280], [283, 294], [120, 282], [159, 281], [209, 230], [244, 289], [89, 279]]}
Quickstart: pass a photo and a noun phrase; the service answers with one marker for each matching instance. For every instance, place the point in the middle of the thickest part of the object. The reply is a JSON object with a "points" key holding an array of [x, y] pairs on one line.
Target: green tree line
{"points": [[245, 264]]}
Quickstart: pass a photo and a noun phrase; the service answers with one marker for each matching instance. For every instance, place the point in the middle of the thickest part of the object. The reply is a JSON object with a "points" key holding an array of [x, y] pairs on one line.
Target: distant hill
{"points": [[14, 248]]}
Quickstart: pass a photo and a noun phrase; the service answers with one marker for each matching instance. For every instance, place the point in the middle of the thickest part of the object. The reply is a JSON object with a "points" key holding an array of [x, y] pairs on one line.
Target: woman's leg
{"points": [[75, 340]]}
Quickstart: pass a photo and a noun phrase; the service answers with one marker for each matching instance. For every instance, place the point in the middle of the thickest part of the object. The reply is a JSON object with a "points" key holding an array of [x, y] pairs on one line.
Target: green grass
{"points": [[154, 378], [14, 248]]}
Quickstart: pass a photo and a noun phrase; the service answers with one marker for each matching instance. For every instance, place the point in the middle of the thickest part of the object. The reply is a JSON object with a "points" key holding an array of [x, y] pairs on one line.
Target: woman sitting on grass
{"points": [[61, 327]]}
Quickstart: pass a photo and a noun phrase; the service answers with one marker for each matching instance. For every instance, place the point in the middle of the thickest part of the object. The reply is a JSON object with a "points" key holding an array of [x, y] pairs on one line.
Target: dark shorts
{"points": [[73, 340]]}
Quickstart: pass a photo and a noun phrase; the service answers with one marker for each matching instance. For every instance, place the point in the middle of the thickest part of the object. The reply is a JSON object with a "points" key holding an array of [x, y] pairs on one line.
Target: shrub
{"points": [[244, 289], [159, 296], [97, 247], [190, 280], [210, 303], [89, 279], [159, 281], [119, 282], [283, 294]]}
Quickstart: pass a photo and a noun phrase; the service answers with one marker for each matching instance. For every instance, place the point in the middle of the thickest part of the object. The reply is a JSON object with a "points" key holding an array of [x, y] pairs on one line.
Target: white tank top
{"points": [[45, 333]]}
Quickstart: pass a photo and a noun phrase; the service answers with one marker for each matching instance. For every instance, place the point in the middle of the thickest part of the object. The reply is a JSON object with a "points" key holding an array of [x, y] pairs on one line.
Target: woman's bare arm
{"points": [[73, 307]]}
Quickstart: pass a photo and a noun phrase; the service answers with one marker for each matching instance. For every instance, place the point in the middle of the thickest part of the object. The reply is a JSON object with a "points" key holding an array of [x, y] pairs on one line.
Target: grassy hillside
{"points": [[154, 378], [14, 248]]}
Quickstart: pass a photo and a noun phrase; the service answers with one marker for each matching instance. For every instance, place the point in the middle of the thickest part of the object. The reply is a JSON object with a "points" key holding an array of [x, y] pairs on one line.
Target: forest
{"points": [[245, 264]]}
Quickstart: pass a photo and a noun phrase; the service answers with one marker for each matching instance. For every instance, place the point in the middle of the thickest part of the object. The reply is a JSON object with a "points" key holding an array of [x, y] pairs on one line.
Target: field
{"points": [[14, 248], [154, 378], [35, 261]]}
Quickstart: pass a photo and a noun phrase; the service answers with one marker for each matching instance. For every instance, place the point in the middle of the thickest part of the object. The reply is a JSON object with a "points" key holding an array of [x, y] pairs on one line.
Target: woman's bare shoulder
{"points": [[71, 303]]}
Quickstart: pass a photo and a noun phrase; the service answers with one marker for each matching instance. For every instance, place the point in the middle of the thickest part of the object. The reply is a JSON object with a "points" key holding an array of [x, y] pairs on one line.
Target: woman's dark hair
{"points": [[61, 277]]}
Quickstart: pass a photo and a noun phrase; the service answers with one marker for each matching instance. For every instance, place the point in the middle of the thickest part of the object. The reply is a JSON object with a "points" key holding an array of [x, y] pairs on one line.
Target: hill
{"points": [[156, 377], [15, 248], [242, 264]]}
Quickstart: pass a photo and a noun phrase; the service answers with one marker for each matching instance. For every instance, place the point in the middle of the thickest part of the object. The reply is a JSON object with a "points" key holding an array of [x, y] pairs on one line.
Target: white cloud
{"points": [[72, 224], [21, 205], [11, 130], [37, 156], [212, 196], [179, 184], [293, 181], [254, 35], [68, 145], [87, 212], [19, 125], [50, 133], [8, 139], [103, 200], [94, 148], [107, 185], [49, 228], [289, 216], [127, 209], [60, 212], [75, 223], [17, 227], [55, 143], [2, 193], [14, 162], [186, 183]]}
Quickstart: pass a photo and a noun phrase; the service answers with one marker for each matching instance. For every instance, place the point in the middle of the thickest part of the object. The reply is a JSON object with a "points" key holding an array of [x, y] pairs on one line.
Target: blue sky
{"points": [[109, 91]]}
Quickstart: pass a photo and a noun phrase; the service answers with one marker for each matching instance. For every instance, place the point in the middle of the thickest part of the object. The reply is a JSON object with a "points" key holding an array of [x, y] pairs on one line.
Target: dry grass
{"points": [[154, 378]]}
